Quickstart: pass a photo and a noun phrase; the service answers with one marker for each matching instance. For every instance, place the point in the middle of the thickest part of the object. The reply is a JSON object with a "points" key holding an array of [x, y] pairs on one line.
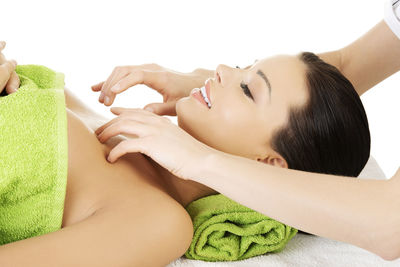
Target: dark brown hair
{"points": [[330, 133]]}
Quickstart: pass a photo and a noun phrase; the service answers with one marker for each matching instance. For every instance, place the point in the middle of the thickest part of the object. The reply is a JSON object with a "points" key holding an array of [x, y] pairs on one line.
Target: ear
{"points": [[275, 160]]}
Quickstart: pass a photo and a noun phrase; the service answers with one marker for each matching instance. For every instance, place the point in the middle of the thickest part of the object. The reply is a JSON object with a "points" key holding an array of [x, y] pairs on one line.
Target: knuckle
{"points": [[124, 69], [149, 65], [124, 114], [139, 73], [118, 69], [120, 123]]}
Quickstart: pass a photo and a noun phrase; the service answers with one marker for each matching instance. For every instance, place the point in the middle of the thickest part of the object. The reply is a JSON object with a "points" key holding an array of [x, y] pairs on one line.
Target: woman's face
{"points": [[238, 124]]}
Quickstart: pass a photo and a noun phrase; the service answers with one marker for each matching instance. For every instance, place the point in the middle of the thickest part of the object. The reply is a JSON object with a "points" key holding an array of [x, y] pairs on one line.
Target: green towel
{"points": [[224, 230], [33, 155]]}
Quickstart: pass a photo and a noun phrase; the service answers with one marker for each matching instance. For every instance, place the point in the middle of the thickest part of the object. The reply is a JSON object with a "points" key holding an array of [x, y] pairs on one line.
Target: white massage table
{"points": [[309, 250]]}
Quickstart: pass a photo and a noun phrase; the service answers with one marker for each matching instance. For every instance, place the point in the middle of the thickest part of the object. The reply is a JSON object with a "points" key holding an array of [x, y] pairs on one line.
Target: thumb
{"points": [[167, 108]]}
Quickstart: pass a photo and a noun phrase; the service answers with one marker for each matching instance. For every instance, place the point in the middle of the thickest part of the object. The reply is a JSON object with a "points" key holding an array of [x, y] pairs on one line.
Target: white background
{"points": [[86, 39]]}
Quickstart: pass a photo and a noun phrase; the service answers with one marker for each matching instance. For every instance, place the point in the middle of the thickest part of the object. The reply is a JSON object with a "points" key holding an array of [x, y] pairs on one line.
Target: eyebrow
{"points": [[259, 72]]}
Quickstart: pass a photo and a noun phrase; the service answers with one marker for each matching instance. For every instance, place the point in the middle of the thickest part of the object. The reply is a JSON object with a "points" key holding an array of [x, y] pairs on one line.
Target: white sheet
{"points": [[309, 250]]}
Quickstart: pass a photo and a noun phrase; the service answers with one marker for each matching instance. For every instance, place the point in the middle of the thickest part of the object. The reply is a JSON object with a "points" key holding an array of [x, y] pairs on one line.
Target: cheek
{"points": [[242, 138], [232, 129]]}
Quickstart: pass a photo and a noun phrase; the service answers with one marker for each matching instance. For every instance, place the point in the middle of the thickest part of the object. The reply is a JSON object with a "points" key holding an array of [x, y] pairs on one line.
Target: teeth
{"points": [[195, 90], [204, 94]]}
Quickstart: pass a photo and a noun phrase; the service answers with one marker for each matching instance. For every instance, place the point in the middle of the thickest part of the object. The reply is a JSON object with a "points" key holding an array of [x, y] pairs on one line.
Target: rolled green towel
{"points": [[33, 155], [227, 231]]}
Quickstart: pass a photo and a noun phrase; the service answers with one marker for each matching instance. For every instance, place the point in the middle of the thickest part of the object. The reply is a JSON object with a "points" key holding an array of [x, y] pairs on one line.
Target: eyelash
{"points": [[246, 90]]}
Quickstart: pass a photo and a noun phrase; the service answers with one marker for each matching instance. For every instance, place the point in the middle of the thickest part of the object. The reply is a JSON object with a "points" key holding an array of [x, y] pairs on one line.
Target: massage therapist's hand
{"points": [[157, 137], [172, 85], [9, 79]]}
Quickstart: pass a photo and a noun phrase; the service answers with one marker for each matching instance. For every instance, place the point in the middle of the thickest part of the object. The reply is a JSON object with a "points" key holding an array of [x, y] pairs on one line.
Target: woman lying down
{"points": [[299, 113]]}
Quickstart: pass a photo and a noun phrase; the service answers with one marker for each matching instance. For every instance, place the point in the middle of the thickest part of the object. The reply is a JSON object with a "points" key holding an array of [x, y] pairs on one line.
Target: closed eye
{"points": [[246, 90]]}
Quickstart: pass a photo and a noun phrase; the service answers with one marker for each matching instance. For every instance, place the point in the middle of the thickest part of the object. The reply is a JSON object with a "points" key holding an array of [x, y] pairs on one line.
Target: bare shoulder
{"points": [[131, 212]]}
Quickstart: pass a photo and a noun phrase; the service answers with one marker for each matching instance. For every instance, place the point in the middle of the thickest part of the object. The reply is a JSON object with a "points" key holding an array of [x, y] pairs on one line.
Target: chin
{"points": [[180, 114], [188, 118], [182, 111]]}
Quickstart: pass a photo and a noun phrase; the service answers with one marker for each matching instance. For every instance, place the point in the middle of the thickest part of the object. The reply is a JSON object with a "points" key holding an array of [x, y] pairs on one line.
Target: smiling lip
{"points": [[208, 87], [199, 97]]}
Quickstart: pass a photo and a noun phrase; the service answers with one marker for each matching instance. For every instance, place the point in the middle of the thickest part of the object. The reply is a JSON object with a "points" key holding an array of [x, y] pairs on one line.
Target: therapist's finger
{"points": [[102, 127], [118, 73], [124, 126], [124, 113], [108, 95], [153, 79], [167, 108], [129, 146], [104, 86], [97, 87]]}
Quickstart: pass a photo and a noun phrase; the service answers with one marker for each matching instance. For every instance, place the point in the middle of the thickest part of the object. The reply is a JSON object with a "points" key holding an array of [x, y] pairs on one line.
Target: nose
{"points": [[223, 74]]}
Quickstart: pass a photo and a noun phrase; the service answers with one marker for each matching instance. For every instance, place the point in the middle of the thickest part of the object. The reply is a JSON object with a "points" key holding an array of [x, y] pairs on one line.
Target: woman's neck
{"points": [[183, 191]]}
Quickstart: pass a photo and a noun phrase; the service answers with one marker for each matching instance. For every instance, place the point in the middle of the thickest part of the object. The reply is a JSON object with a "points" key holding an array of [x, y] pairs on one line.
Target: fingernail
{"points": [[107, 100], [115, 88]]}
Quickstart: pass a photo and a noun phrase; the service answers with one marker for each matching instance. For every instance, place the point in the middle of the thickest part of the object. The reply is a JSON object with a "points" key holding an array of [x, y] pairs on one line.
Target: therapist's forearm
{"points": [[368, 60], [364, 213]]}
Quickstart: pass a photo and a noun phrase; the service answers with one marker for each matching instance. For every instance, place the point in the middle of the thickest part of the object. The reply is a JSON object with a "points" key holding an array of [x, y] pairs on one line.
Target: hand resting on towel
{"points": [[8, 78]]}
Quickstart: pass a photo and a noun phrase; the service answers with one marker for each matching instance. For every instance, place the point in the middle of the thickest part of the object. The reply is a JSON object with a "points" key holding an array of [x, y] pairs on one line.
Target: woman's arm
{"points": [[110, 237], [368, 60], [365, 213]]}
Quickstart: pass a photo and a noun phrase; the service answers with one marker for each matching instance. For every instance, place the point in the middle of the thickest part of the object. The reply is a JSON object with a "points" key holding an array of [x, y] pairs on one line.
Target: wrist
{"points": [[334, 58], [195, 79], [202, 75], [204, 72], [207, 163]]}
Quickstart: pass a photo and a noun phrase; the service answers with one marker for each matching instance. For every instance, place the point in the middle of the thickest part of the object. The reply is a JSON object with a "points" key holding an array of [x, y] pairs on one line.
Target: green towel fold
{"points": [[227, 231], [33, 155]]}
